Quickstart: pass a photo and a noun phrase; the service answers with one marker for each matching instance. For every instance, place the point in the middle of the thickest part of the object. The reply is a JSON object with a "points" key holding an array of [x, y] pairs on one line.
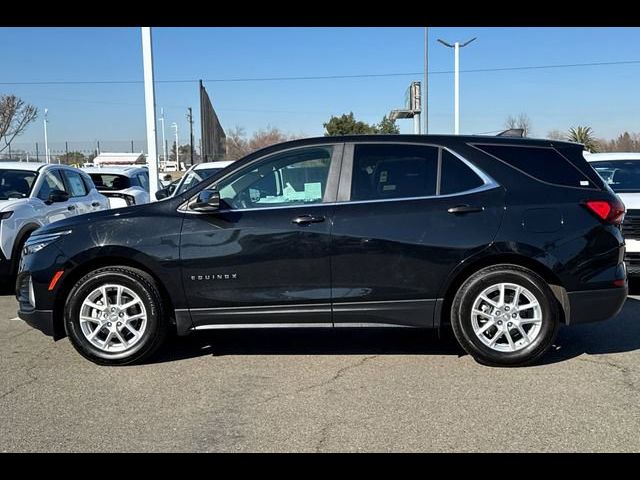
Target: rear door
{"points": [[407, 215]]}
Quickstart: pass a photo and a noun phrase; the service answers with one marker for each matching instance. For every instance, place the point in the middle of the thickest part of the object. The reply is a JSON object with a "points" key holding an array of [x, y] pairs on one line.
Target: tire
{"points": [[146, 316], [510, 348]]}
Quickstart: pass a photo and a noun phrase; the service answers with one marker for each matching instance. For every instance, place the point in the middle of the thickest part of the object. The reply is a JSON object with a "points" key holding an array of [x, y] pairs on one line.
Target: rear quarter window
{"points": [[542, 163]]}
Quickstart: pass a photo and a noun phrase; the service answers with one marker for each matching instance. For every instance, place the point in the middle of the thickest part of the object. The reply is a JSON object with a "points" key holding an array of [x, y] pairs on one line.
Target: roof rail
{"points": [[512, 132]]}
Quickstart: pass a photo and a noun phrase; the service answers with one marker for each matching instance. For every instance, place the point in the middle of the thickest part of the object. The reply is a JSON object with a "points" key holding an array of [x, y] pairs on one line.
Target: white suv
{"points": [[36, 194], [123, 186], [621, 171], [192, 177]]}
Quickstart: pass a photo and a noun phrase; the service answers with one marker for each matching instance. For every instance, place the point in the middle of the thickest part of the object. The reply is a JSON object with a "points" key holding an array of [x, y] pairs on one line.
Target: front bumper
{"points": [[595, 305], [41, 320]]}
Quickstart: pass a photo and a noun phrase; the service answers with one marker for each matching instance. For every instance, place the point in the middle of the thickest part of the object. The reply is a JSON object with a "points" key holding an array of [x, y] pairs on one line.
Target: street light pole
{"points": [[150, 111], [425, 98], [456, 79], [164, 142], [175, 125], [46, 141]]}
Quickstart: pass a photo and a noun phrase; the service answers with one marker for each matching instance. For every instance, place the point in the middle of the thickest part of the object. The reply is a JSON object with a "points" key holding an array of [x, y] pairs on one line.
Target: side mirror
{"points": [[162, 193], [208, 201], [57, 196], [171, 188]]}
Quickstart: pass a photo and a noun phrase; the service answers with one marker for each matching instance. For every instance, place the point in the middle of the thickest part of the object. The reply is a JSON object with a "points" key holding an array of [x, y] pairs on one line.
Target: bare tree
{"points": [[15, 116], [556, 134], [521, 121], [238, 145]]}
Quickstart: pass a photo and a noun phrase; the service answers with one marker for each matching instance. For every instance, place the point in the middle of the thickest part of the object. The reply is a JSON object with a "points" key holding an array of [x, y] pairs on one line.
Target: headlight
{"points": [[36, 243], [5, 215]]}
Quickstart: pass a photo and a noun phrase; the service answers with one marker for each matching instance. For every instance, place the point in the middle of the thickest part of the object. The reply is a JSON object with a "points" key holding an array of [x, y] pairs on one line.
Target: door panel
{"points": [[264, 258], [52, 180], [391, 256], [80, 197]]}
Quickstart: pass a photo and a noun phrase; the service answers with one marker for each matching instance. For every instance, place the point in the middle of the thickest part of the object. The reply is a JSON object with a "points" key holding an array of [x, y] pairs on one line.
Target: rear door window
{"points": [[542, 163], [384, 171], [456, 176]]}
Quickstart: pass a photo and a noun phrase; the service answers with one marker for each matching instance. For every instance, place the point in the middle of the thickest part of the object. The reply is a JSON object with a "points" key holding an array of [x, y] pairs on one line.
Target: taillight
{"points": [[608, 211]]}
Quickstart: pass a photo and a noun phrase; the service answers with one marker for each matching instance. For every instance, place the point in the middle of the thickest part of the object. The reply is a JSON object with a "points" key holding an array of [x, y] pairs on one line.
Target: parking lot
{"points": [[318, 390]]}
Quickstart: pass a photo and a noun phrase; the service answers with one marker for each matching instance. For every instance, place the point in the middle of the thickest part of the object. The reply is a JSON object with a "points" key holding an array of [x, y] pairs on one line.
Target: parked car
{"points": [[37, 194], [123, 186], [621, 171], [192, 177], [502, 239]]}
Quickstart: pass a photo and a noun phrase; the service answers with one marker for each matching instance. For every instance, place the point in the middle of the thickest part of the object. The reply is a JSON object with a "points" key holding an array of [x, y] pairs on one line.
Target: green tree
{"points": [[585, 136], [387, 126], [346, 124], [72, 158]]}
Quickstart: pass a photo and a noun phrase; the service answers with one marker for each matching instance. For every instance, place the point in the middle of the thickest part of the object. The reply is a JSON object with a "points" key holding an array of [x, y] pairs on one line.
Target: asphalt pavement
{"points": [[307, 390]]}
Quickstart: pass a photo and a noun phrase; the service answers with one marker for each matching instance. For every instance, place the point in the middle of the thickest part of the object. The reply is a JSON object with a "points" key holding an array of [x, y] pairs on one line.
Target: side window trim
{"points": [[330, 194], [344, 192], [478, 146]]}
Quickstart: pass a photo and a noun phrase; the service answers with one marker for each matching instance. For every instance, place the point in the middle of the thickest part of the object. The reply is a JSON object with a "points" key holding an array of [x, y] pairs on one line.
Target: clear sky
{"points": [[604, 97]]}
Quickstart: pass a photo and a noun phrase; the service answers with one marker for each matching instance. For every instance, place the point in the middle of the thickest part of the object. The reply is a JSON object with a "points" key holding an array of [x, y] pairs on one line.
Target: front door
{"points": [[410, 215], [264, 257]]}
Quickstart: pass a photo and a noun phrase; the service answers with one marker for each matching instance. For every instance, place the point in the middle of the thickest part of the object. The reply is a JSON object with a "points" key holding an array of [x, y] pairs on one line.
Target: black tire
{"points": [[140, 283], [461, 320]]}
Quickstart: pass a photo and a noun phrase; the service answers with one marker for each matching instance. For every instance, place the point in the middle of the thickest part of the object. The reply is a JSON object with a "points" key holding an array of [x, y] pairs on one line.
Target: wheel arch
{"points": [[464, 272], [68, 281]]}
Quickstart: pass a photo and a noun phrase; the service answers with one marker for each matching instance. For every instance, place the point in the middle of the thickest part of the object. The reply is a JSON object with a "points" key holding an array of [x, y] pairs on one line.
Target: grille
{"points": [[631, 224], [23, 293]]}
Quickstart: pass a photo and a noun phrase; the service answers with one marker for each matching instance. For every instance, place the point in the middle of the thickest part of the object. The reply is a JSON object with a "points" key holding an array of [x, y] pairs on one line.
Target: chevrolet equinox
{"points": [[501, 239]]}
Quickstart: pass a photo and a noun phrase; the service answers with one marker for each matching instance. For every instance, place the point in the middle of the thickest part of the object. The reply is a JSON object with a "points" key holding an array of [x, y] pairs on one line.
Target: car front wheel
{"points": [[114, 316], [505, 315]]}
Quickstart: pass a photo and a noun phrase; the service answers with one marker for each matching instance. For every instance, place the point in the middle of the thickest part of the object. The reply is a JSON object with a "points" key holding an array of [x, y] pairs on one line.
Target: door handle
{"points": [[95, 204], [462, 209], [307, 219], [71, 207]]}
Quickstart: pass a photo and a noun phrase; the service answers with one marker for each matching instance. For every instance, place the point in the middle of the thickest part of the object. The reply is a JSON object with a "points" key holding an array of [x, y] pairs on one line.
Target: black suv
{"points": [[502, 239]]}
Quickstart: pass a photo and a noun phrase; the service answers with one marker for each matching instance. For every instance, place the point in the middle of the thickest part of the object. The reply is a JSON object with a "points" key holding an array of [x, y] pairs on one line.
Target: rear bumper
{"points": [[595, 305], [39, 319]]}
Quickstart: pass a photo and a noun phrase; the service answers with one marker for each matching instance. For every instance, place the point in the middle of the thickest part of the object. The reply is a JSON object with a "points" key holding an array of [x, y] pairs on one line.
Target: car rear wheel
{"points": [[505, 315], [114, 316]]}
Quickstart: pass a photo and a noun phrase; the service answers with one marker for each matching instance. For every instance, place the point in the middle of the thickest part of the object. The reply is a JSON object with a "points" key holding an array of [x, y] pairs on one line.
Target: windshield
{"points": [[194, 177], [16, 183], [620, 175], [110, 181]]}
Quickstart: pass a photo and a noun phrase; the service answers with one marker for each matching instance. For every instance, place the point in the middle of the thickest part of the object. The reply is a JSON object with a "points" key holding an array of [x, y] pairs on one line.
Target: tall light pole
{"points": [[150, 108], [425, 102], [175, 125], [456, 47], [46, 141], [164, 141]]}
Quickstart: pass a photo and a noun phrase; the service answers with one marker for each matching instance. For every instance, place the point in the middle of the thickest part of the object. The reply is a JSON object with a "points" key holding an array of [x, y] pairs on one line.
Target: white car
{"points": [[621, 171], [192, 177], [37, 194], [123, 186]]}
